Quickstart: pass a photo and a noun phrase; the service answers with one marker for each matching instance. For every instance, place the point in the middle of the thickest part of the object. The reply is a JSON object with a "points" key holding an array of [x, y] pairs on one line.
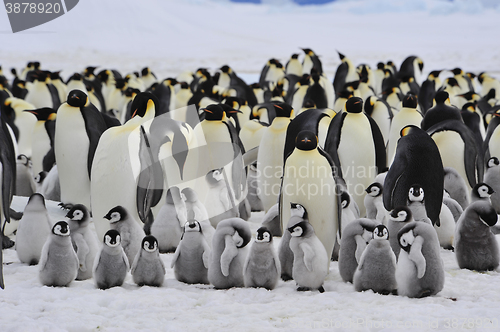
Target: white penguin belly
{"points": [[451, 147]]}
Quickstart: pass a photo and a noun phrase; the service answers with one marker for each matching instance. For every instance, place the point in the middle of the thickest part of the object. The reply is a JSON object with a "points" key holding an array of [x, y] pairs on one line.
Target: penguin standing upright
{"points": [[420, 269], [42, 93], [428, 90], [310, 259], [43, 140], [417, 160], [321, 199], [199, 211], [297, 214], [191, 258], [58, 264], [270, 156], [359, 163], [111, 264], [377, 266], [130, 231], [262, 266], [475, 245], [148, 268], [374, 205], [79, 126], [84, 240], [24, 121], [166, 227], [311, 61], [228, 253], [346, 72], [492, 178], [381, 112], [355, 238], [25, 185], [33, 230]]}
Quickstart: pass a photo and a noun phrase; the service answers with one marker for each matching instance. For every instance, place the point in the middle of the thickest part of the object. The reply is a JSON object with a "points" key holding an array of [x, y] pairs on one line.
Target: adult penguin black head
{"points": [[354, 105], [306, 140], [44, 113], [89, 72], [141, 102], [214, 113], [410, 101], [77, 98], [283, 110], [225, 69]]}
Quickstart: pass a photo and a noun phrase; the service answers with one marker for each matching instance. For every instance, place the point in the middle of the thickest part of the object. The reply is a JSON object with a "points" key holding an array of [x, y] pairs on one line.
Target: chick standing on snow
{"points": [[111, 264], [228, 253], [58, 262], [33, 230], [191, 258], [262, 267], [200, 213], [310, 260], [377, 267], [148, 268], [130, 231], [84, 240]]}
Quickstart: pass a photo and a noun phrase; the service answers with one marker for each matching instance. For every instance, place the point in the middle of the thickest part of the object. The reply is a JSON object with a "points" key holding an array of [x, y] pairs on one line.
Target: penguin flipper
{"points": [[333, 140], [417, 257], [177, 253], [95, 126], [125, 259], [378, 140], [391, 183], [82, 250], [229, 253], [309, 255], [206, 255], [360, 247]]}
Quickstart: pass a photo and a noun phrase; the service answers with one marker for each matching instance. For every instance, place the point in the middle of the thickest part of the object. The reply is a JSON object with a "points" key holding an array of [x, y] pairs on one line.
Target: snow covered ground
{"points": [[172, 36]]}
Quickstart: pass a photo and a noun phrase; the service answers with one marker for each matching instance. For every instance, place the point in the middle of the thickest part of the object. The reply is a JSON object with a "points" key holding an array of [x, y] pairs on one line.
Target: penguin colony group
{"points": [[374, 170]]}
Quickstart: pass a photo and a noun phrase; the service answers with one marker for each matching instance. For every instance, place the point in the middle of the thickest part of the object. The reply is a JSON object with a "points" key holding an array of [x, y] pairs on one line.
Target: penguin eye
{"points": [[107, 239], [57, 230], [266, 236], [411, 191], [37, 179], [421, 191], [115, 215]]}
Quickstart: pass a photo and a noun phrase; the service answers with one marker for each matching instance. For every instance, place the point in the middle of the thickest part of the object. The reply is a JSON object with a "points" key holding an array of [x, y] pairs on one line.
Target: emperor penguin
{"points": [[166, 227], [130, 231], [311, 61], [492, 178], [456, 186], [408, 115], [321, 199], [377, 266], [193, 203], [374, 205], [42, 93], [148, 77], [428, 90], [43, 139], [346, 72], [420, 269], [476, 247], [262, 266], [33, 230], [440, 112], [398, 218], [191, 258], [293, 66], [412, 66], [416, 203], [58, 264], [25, 184], [111, 264], [228, 253], [310, 259], [382, 113], [271, 221], [219, 201], [409, 167], [270, 156], [359, 163], [482, 192], [354, 240], [148, 268], [79, 126], [84, 240], [297, 214], [24, 121]]}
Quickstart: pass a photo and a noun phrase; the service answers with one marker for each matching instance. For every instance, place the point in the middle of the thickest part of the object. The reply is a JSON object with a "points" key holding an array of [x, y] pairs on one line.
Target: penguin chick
{"points": [[111, 264], [33, 230], [374, 204], [84, 240], [228, 253], [481, 192], [492, 178], [25, 186], [377, 267], [310, 260], [420, 269], [130, 231], [191, 258], [58, 262], [193, 203], [398, 218], [298, 214], [262, 266], [148, 268], [167, 226], [475, 245], [354, 240]]}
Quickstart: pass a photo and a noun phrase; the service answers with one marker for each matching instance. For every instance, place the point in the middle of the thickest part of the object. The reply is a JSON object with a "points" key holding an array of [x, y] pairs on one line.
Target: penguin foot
{"points": [[303, 289], [285, 277], [425, 293], [6, 242], [321, 289], [16, 215], [65, 206]]}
